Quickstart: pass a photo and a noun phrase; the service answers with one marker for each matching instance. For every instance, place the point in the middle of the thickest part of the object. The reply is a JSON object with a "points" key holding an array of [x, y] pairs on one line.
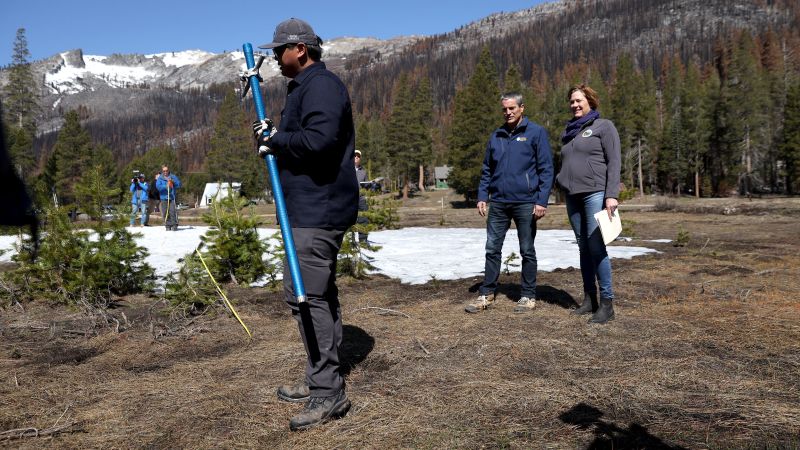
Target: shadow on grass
{"points": [[544, 293], [608, 435], [356, 345]]}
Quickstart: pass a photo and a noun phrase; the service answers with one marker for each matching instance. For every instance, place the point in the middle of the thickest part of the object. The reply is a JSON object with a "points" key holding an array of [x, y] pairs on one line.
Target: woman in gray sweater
{"points": [[590, 166]]}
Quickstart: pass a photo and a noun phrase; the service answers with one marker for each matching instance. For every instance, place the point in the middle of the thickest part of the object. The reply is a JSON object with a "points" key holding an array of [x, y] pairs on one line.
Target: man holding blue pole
{"points": [[314, 147]]}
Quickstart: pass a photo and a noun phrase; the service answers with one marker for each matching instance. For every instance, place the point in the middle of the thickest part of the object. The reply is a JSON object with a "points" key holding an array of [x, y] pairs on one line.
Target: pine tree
{"points": [[790, 142], [746, 95], [673, 150], [233, 252], [422, 123], [232, 157], [370, 139], [86, 268], [72, 154], [95, 190], [400, 137], [475, 116], [21, 94], [21, 153], [633, 105], [695, 120], [775, 79]]}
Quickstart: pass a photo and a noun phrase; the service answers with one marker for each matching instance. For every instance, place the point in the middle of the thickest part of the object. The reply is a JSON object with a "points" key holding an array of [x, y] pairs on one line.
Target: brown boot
{"points": [[319, 410], [296, 394]]}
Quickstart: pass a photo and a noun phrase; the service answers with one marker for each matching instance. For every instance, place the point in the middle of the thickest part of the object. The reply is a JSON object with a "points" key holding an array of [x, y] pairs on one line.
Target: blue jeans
{"points": [[595, 263], [135, 208], [499, 220]]}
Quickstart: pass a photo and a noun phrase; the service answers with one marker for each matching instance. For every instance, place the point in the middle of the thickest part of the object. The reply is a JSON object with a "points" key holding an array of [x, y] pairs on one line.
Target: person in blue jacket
{"points": [[167, 184], [516, 179], [139, 199]]}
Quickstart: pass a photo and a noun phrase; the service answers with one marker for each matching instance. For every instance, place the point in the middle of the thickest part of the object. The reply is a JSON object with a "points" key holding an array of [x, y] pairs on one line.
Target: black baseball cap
{"points": [[293, 31]]}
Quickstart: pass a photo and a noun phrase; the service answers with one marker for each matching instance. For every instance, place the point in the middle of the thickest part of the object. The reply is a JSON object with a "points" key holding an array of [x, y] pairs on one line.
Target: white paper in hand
{"points": [[609, 228]]}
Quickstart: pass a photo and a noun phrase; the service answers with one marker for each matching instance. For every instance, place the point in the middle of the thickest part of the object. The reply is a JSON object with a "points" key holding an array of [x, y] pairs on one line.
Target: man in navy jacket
{"points": [[314, 149], [516, 179]]}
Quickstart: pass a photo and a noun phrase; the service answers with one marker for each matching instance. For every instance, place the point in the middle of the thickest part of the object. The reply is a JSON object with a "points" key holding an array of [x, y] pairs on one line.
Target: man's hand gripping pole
{"points": [[253, 78]]}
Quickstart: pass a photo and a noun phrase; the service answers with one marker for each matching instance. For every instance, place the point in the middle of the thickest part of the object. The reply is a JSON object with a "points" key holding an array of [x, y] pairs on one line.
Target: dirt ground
{"points": [[704, 353]]}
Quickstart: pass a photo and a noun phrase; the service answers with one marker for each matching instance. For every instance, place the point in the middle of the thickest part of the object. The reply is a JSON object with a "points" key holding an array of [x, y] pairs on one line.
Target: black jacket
{"points": [[314, 148]]}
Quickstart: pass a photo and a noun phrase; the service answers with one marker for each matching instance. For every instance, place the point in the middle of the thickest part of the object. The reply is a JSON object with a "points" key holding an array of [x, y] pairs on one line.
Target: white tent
{"points": [[217, 190]]}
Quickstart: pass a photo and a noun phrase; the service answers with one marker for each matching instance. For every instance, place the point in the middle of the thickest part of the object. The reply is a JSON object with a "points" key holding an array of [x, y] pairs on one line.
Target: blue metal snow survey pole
{"points": [[277, 191]]}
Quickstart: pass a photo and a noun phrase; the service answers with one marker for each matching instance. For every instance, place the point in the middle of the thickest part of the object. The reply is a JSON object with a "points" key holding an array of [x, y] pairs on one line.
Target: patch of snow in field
{"points": [[412, 255], [417, 255]]}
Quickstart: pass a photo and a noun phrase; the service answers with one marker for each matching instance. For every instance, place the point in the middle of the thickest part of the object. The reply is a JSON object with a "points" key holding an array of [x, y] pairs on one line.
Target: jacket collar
{"points": [[520, 127], [308, 71]]}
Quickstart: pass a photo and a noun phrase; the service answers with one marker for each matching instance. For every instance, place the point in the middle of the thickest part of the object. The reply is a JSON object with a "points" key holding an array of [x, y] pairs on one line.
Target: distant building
{"points": [[440, 174], [215, 191]]}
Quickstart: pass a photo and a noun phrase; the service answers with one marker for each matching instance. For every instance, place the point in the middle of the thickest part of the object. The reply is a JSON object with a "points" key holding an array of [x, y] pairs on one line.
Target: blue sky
{"points": [[150, 26]]}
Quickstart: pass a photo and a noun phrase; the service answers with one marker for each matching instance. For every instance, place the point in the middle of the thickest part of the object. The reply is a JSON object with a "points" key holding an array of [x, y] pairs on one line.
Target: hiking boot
{"points": [[525, 304], [483, 302], [296, 394], [588, 306], [319, 410], [604, 313]]}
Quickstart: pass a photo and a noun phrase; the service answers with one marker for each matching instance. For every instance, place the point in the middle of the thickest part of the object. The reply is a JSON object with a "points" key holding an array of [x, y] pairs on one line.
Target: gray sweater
{"points": [[591, 161]]}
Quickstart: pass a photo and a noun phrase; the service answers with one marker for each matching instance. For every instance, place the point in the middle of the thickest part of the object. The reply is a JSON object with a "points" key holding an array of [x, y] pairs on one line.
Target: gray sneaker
{"points": [[525, 304], [483, 302]]}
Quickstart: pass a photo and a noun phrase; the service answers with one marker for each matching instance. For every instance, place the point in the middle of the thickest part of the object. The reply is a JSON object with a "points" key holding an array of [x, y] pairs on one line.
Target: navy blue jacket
{"points": [[314, 148], [518, 166]]}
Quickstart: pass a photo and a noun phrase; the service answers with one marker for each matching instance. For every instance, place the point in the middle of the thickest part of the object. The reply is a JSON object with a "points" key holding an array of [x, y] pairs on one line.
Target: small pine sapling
{"points": [[510, 262]]}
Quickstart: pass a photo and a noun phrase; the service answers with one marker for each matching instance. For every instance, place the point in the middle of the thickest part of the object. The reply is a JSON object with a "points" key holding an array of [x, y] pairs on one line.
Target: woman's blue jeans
{"points": [[595, 263], [497, 224]]}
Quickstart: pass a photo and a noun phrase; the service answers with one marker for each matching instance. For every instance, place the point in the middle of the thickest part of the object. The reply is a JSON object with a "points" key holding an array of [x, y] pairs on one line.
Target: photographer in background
{"points": [[139, 199]]}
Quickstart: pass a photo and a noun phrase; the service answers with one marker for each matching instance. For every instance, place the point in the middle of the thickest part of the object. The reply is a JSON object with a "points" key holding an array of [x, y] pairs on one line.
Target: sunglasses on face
{"points": [[277, 52]]}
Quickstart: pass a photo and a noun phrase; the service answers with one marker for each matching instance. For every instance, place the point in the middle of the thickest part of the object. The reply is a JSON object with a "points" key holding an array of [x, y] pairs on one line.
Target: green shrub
{"points": [[627, 194], [682, 237], [233, 252], [628, 228], [381, 215], [78, 267], [510, 262]]}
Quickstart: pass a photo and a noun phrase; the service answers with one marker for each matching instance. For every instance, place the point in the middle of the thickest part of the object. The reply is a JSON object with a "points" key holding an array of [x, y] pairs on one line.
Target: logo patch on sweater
{"points": [[521, 139], [587, 133]]}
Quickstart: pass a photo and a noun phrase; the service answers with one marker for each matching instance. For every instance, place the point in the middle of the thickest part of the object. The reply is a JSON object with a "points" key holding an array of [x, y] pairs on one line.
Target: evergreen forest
{"points": [[716, 114]]}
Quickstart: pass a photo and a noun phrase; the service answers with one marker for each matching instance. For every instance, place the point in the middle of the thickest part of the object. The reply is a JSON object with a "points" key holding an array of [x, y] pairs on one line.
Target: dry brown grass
{"points": [[704, 353]]}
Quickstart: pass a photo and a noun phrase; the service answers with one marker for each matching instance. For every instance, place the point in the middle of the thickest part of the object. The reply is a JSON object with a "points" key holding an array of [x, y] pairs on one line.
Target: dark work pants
{"points": [[170, 214], [319, 318]]}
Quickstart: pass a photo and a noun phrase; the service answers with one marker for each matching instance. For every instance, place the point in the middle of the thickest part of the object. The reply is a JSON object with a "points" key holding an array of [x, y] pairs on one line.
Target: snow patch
{"points": [[68, 79], [184, 58], [413, 255]]}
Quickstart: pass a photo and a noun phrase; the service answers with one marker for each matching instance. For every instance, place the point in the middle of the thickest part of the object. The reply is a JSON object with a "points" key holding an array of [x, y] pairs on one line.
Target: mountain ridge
{"points": [[540, 40]]}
